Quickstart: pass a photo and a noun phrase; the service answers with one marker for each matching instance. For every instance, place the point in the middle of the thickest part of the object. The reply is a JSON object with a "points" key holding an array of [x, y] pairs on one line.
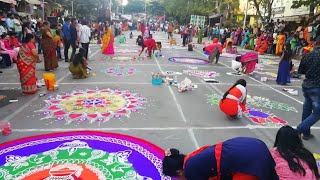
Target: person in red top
{"points": [[234, 100], [150, 44], [214, 50]]}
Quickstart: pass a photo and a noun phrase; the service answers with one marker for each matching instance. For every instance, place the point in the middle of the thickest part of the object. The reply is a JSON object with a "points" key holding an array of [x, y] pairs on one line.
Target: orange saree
{"points": [[26, 64]]}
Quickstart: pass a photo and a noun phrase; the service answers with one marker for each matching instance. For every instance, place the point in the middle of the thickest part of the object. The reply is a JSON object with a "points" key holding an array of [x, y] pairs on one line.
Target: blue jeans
{"points": [[311, 110]]}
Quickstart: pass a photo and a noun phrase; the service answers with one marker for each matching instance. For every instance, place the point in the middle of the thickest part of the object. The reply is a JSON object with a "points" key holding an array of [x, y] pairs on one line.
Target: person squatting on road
{"points": [[239, 158], [233, 102]]}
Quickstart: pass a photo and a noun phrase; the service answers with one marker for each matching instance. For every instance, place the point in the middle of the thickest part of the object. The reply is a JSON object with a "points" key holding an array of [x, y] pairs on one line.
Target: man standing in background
{"points": [[85, 34], [66, 38]]}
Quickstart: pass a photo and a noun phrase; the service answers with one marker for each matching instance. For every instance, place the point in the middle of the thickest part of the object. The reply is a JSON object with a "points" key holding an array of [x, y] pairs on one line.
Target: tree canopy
{"points": [[299, 3], [134, 6]]}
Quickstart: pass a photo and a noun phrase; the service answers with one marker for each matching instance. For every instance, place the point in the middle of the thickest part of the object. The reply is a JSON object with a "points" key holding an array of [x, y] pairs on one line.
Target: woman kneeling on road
{"points": [[235, 159], [234, 100]]}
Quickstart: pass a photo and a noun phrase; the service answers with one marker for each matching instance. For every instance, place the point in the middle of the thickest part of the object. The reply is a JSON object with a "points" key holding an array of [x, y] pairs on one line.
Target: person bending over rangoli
{"points": [[249, 61], [240, 158], [150, 44], [234, 100], [214, 50]]}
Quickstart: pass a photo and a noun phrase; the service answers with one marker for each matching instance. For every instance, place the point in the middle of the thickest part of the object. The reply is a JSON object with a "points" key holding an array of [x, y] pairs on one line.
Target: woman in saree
{"points": [[284, 66], [107, 42], [263, 46], [245, 39], [49, 48], [251, 40], [3, 50], [249, 61], [78, 66], [259, 41], [281, 39], [26, 64], [235, 38], [200, 35]]}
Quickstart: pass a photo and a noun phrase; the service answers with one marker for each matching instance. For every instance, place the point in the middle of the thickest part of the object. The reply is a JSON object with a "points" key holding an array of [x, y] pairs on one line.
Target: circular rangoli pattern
{"points": [[81, 155], [120, 71], [92, 105], [201, 73], [188, 60], [126, 51], [123, 58]]}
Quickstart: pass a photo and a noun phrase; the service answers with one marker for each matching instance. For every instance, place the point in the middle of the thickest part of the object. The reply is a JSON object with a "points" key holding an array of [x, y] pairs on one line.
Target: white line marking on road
{"points": [[260, 82], [142, 83], [249, 126], [193, 138], [172, 94]]}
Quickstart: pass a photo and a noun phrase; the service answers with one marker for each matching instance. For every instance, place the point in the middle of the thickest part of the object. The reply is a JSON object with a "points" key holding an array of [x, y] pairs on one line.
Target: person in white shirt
{"points": [[85, 34]]}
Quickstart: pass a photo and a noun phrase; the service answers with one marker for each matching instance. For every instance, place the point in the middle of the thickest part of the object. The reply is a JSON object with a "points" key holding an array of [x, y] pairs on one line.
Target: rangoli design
{"points": [[255, 114], [81, 155], [92, 105], [273, 75], [126, 51], [120, 71], [123, 58], [229, 55], [268, 62], [188, 60], [201, 73], [262, 102], [174, 47]]}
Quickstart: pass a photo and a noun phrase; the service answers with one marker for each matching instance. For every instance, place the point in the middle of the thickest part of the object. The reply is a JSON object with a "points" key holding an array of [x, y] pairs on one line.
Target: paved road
{"points": [[163, 116]]}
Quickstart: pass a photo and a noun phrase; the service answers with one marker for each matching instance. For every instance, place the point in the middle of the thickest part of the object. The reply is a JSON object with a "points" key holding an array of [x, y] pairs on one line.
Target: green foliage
{"points": [[134, 6], [300, 3], [182, 9], [81, 8], [155, 8]]}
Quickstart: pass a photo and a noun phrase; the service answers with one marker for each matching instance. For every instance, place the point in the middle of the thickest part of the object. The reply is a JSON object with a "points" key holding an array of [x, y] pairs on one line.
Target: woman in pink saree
{"points": [[249, 61], [107, 42], [3, 50]]}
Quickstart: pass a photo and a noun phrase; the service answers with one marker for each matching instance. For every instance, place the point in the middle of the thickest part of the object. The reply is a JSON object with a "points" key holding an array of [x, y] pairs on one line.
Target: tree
{"points": [[312, 4], [155, 8], [264, 9], [134, 6], [87, 8]]}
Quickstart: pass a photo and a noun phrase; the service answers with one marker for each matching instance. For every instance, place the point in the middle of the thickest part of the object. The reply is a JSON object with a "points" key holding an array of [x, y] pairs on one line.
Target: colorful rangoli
{"points": [[120, 71], [123, 58], [201, 73], [92, 105], [84, 155], [268, 62], [126, 51], [255, 114], [229, 55], [188, 60]]}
